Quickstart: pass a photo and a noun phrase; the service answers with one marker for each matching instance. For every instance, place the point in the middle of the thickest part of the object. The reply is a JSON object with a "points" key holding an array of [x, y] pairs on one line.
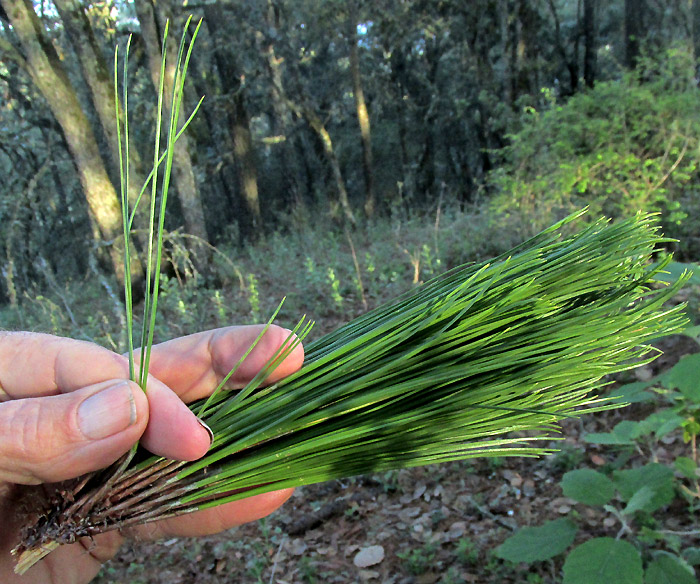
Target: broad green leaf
{"points": [[623, 434], [534, 544], [657, 477], [603, 560], [669, 569], [685, 376], [686, 466], [633, 392], [676, 269], [660, 423], [640, 501], [693, 332], [588, 486], [691, 555]]}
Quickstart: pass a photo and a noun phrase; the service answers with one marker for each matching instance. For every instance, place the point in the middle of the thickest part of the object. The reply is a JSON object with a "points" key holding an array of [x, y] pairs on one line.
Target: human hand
{"points": [[67, 408]]}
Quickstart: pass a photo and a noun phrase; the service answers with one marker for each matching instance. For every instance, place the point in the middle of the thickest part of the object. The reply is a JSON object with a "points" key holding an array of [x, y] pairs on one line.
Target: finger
{"points": [[214, 519], [35, 365], [58, 437], [194, 365]]}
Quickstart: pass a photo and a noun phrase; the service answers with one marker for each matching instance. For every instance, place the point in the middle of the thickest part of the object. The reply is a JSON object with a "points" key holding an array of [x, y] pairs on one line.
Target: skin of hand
{"points": [[67, 408]]}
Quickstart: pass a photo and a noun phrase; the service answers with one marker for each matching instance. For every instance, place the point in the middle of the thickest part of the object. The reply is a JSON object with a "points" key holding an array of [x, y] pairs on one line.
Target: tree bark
{"points": [[634, 17], [100, 82], [183, 169], [324, 137], [590, 49], [238, 122], [362, 114], [48, 75], [571, 64], [282, 119]]}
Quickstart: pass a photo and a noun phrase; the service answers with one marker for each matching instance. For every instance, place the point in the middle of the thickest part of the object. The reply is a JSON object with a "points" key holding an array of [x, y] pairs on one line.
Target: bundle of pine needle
{"points": [[482, 361]]}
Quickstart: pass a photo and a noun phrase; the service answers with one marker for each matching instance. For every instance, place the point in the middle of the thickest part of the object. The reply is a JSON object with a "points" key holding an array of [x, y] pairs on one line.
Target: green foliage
{"points": [[621, 147], [418, 560], [669, 569], [603, 559], [535, 544], [587, 486], [467, 551], [253, 296]]}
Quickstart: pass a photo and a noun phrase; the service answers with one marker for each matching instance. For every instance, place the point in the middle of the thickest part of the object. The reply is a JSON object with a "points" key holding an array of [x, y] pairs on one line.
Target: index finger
{"points": [[194, 365]]}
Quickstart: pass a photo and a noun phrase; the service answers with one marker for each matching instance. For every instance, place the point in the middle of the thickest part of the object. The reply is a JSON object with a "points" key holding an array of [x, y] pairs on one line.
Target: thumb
{"points": [[54, 438]]}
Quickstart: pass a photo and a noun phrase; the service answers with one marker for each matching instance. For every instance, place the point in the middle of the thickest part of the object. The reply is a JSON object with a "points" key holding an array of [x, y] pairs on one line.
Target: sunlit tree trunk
{"points": [[99, 80], [45, 68], [324, 137], [362, 113]]}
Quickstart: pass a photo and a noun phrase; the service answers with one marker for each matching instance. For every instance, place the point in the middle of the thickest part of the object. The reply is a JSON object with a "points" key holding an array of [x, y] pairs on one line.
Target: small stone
{"points": [[643, 373], [457, 529], [598, 460], [369, 556], [297, 547]]}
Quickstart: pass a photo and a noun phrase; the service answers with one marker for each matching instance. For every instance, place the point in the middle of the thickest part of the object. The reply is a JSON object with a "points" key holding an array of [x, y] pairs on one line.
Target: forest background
{"points": [[345, 152]]}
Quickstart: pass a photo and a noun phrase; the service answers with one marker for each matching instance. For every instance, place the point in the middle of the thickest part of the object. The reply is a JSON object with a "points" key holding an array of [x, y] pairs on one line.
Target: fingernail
{"points": [[208, 429], [107, 412]]}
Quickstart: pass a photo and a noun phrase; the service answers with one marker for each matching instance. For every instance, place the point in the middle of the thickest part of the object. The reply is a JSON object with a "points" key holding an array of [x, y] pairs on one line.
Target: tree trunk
{"points": [[362, 114], [45, 68], [590, 48], [282, 120], [99, 80], [239, 124], [634, 17], [328, 151], [571, 64], [183, 169], [245, 162]]}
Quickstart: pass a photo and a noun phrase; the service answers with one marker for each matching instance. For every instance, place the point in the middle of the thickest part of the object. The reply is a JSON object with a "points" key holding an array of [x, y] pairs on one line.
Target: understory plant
{"points": [[482, 361], [639, 545]]}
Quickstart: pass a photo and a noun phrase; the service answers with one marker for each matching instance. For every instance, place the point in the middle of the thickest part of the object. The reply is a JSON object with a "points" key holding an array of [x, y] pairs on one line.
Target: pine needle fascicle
{"points": [[482, 361]]}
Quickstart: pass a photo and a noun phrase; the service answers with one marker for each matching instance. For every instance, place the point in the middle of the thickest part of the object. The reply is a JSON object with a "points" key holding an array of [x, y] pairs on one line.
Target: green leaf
{"points": [[675, 270], [660, 423], [588, 486], [656, 477], [641, 500], [685, 376], [602, 560], [692, 331], [691, 555], [669, 569], [687, 467], [535, 544], [623, 434], [633, 392]]}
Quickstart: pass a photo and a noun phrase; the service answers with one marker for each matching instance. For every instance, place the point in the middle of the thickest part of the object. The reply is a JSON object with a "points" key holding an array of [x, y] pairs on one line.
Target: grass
{"points": [[247, 282]]}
